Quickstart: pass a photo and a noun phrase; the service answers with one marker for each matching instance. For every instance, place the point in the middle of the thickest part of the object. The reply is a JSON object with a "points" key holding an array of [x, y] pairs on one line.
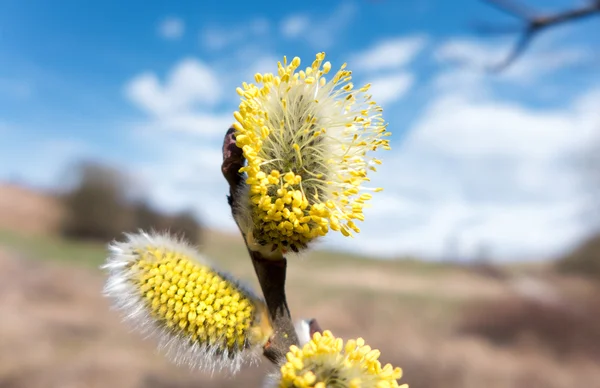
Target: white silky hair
{"points": [[127, 299], [303, 331]]}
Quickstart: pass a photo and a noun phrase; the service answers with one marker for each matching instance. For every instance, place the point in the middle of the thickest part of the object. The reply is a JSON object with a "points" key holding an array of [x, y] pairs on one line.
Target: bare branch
{"points": [[271, 276], [518, 49], [271, 273], [533, 25], [487, 29]]}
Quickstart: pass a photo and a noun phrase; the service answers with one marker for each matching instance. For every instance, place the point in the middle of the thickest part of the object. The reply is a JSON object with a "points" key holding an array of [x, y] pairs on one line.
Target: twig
{"points": [[533, 24], [271, 273], [271, 276]]}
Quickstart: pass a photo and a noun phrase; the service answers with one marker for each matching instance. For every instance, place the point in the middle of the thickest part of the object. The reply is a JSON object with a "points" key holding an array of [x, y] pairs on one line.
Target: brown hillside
{"points": [[28, 211]]}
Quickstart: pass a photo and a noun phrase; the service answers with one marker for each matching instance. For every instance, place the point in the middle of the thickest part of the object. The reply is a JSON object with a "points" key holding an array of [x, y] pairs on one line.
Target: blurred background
{"points": [[478, 266]]}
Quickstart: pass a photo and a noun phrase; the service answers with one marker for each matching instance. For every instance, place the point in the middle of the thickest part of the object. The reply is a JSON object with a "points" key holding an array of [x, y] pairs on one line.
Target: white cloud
{"points": [[183, 131], [323, 30], [208, 125], [171, 28], [537, 62], [389, 53], [295, 25], [191, 82], [526, 231], [462, 50], [259, 26], [496, 128], [219, 38], [190, 99], [184, 102], [500, 166], [216, 39], [263, 63], [390, 88], [187, 174]]}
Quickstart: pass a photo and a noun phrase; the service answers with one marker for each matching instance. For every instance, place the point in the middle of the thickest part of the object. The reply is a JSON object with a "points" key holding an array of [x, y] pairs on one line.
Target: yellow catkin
{"points": [[201, 315], [192, 299], [306, 141], [326, 362]]}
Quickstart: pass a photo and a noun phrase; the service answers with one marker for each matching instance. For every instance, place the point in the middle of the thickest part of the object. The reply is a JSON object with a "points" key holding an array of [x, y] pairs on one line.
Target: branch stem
{"points": [[271, 273]]}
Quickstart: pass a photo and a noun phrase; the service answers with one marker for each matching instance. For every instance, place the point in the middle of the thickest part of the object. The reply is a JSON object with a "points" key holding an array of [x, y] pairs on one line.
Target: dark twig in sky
{"points": [[534, 24]]}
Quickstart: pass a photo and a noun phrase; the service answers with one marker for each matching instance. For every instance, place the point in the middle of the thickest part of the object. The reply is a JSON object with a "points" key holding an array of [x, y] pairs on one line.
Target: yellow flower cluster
{"points": [[199, 315], [286, 218], [325, 362], [193, 299], [305, 140]]}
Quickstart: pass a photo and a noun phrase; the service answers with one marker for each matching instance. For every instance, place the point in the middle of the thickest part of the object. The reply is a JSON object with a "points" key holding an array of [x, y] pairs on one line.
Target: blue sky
{"points": [[150, 86]]}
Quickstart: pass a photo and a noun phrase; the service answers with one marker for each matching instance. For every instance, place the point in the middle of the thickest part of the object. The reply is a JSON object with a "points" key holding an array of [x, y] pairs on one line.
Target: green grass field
{"points": [[329, 274], [226, 250], [50, 248]]}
